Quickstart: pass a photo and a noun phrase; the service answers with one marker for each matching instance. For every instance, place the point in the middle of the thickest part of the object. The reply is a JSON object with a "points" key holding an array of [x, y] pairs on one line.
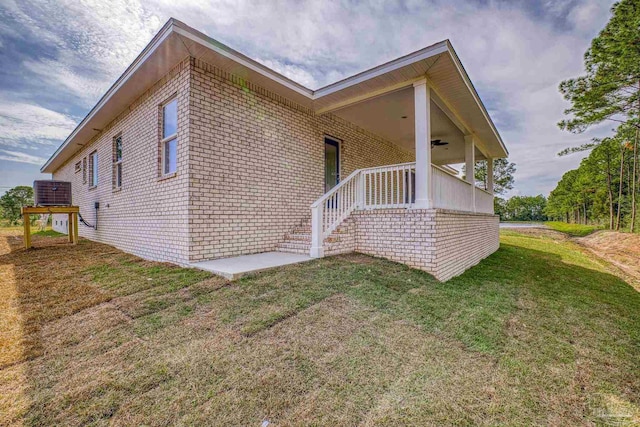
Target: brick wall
{"points": [[250, 163], [148, 215], [257, 163], [463, 240], [444, 243]]}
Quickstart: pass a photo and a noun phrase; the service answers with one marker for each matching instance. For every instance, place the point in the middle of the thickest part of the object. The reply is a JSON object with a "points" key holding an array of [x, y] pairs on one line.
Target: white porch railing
{"points": [[451, 192], [484, 201], [390, 186]]}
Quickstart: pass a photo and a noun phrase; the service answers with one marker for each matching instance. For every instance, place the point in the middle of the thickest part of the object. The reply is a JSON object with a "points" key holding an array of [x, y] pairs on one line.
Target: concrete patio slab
{"points": [[236, 267]]}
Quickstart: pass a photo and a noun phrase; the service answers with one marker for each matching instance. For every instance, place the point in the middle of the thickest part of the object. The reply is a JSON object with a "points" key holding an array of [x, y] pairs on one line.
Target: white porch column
{"points": [[490, 175], [422, 101], [469, 166], [469, 158]]}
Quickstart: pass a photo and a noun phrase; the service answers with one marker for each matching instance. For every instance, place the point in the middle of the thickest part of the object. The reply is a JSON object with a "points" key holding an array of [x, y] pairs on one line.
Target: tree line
{"points": [[12, 201], [521, 208], [601, 190], [604, 188]]}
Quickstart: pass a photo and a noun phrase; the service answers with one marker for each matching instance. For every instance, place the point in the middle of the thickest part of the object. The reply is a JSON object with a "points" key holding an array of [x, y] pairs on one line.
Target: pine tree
{"points": [[610, 90]]}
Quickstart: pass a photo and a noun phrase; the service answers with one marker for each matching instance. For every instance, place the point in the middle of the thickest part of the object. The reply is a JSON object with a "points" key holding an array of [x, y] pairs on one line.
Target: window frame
{"points": [[164, 140], [117, 163], [78, 166], [93, 169], [84, 170]]}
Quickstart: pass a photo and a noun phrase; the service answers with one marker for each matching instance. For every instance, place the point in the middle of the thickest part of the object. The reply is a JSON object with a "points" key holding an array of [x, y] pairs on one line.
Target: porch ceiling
{"points": [[391, 116]]}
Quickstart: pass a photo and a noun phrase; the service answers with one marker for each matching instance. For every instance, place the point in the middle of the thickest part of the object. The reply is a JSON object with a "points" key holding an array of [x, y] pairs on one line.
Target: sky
{"points": [[57, 58]]}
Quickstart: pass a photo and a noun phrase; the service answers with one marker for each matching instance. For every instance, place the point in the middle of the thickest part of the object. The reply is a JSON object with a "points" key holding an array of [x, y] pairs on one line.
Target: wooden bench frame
{"points": [[72, 211]]}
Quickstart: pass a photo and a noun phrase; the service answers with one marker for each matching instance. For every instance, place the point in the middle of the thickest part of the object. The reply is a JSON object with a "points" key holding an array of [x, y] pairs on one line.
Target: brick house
{"points": [[198, 152]]}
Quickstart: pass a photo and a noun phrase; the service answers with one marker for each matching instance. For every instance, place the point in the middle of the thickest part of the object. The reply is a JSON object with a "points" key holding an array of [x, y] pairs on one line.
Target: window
{"points": [[78, 166], [169, 142], [84, 170], [117, 162], [93, 169]]}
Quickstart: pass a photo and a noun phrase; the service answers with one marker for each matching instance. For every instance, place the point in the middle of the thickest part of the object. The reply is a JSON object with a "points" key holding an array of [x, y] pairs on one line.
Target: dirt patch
{"points": [[620, 249], [538, 232]]}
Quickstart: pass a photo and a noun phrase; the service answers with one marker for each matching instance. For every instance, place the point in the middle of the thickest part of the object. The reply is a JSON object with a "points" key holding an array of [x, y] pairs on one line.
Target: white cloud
{"points": [[19, 157], [515, 57], [294, 72], [95, 41], [27, 125]]}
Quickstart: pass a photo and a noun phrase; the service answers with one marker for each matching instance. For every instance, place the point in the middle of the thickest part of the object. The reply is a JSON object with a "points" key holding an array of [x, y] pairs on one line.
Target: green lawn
{"points": [[47, 233], [575, 230], [538, 333]]}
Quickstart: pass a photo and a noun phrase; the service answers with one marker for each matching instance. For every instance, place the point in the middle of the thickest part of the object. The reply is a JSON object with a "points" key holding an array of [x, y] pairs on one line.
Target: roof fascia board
{"points": [[149, 50], [174, 26], [367, 96], [420, 55], [474, 93], [243, 60]]}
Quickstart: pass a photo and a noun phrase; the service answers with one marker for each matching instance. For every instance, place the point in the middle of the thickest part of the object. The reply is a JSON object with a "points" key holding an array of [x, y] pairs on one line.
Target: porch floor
{"points": [[236, 267]]}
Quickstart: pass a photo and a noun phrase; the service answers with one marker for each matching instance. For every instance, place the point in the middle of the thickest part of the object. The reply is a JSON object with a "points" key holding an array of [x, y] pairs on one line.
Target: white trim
{"points": [[422, 122], [252, 65], [166, 139], [470, 164], [490, 184], [174, 26], [368, 96], [420, 55], [474, 93]]}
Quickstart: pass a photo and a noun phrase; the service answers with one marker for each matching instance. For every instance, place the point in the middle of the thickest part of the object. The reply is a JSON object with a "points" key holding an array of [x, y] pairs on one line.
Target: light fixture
{"points": [[438, 143]]}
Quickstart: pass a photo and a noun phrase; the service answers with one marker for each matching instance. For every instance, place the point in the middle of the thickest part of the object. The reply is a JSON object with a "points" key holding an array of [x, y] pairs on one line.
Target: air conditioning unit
{"points": [[52, 193]]}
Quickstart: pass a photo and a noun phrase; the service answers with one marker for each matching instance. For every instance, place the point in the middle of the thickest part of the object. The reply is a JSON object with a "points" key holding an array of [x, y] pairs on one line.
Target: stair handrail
{"points": [[333, 207], [331, 192], [341, 206]]}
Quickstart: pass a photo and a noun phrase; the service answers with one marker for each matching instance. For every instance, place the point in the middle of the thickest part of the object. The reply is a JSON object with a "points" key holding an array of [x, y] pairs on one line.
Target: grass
{"points": [[574, 230], [6, 227], [538, 333], [47, 233]]}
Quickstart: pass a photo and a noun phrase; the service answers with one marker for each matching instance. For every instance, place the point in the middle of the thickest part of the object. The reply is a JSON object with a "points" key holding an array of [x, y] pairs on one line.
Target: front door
{"points": [[331, 163]]}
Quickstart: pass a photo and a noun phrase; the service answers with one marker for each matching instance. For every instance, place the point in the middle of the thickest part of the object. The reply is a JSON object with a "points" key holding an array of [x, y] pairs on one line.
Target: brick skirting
{"points": [[444, 243]]}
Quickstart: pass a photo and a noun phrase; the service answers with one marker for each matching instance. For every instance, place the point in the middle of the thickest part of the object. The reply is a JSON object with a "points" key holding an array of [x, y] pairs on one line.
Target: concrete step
{"points": [[301, 251], [295, 245], [296, 236]]}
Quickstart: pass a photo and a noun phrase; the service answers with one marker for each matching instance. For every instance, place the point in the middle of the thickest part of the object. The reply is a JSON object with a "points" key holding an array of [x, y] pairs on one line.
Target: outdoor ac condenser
{"points": [[52, 193]]}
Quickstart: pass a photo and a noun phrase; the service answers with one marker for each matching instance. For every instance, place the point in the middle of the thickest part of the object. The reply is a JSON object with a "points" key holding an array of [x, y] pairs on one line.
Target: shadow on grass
{"points": [[554, 325], [41, 289]]}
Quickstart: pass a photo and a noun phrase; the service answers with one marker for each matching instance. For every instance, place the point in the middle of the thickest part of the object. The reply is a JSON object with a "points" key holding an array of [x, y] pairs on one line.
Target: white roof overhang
{"points": [[452, 90]]}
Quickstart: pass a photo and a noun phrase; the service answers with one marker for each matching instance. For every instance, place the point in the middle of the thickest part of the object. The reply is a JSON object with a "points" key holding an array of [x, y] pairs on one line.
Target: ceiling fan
{"points": [[438, 143]]}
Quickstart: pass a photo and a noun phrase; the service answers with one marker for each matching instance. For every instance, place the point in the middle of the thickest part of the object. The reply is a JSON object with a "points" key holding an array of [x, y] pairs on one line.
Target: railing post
{"points": [[317, 251], [361, 188]]}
